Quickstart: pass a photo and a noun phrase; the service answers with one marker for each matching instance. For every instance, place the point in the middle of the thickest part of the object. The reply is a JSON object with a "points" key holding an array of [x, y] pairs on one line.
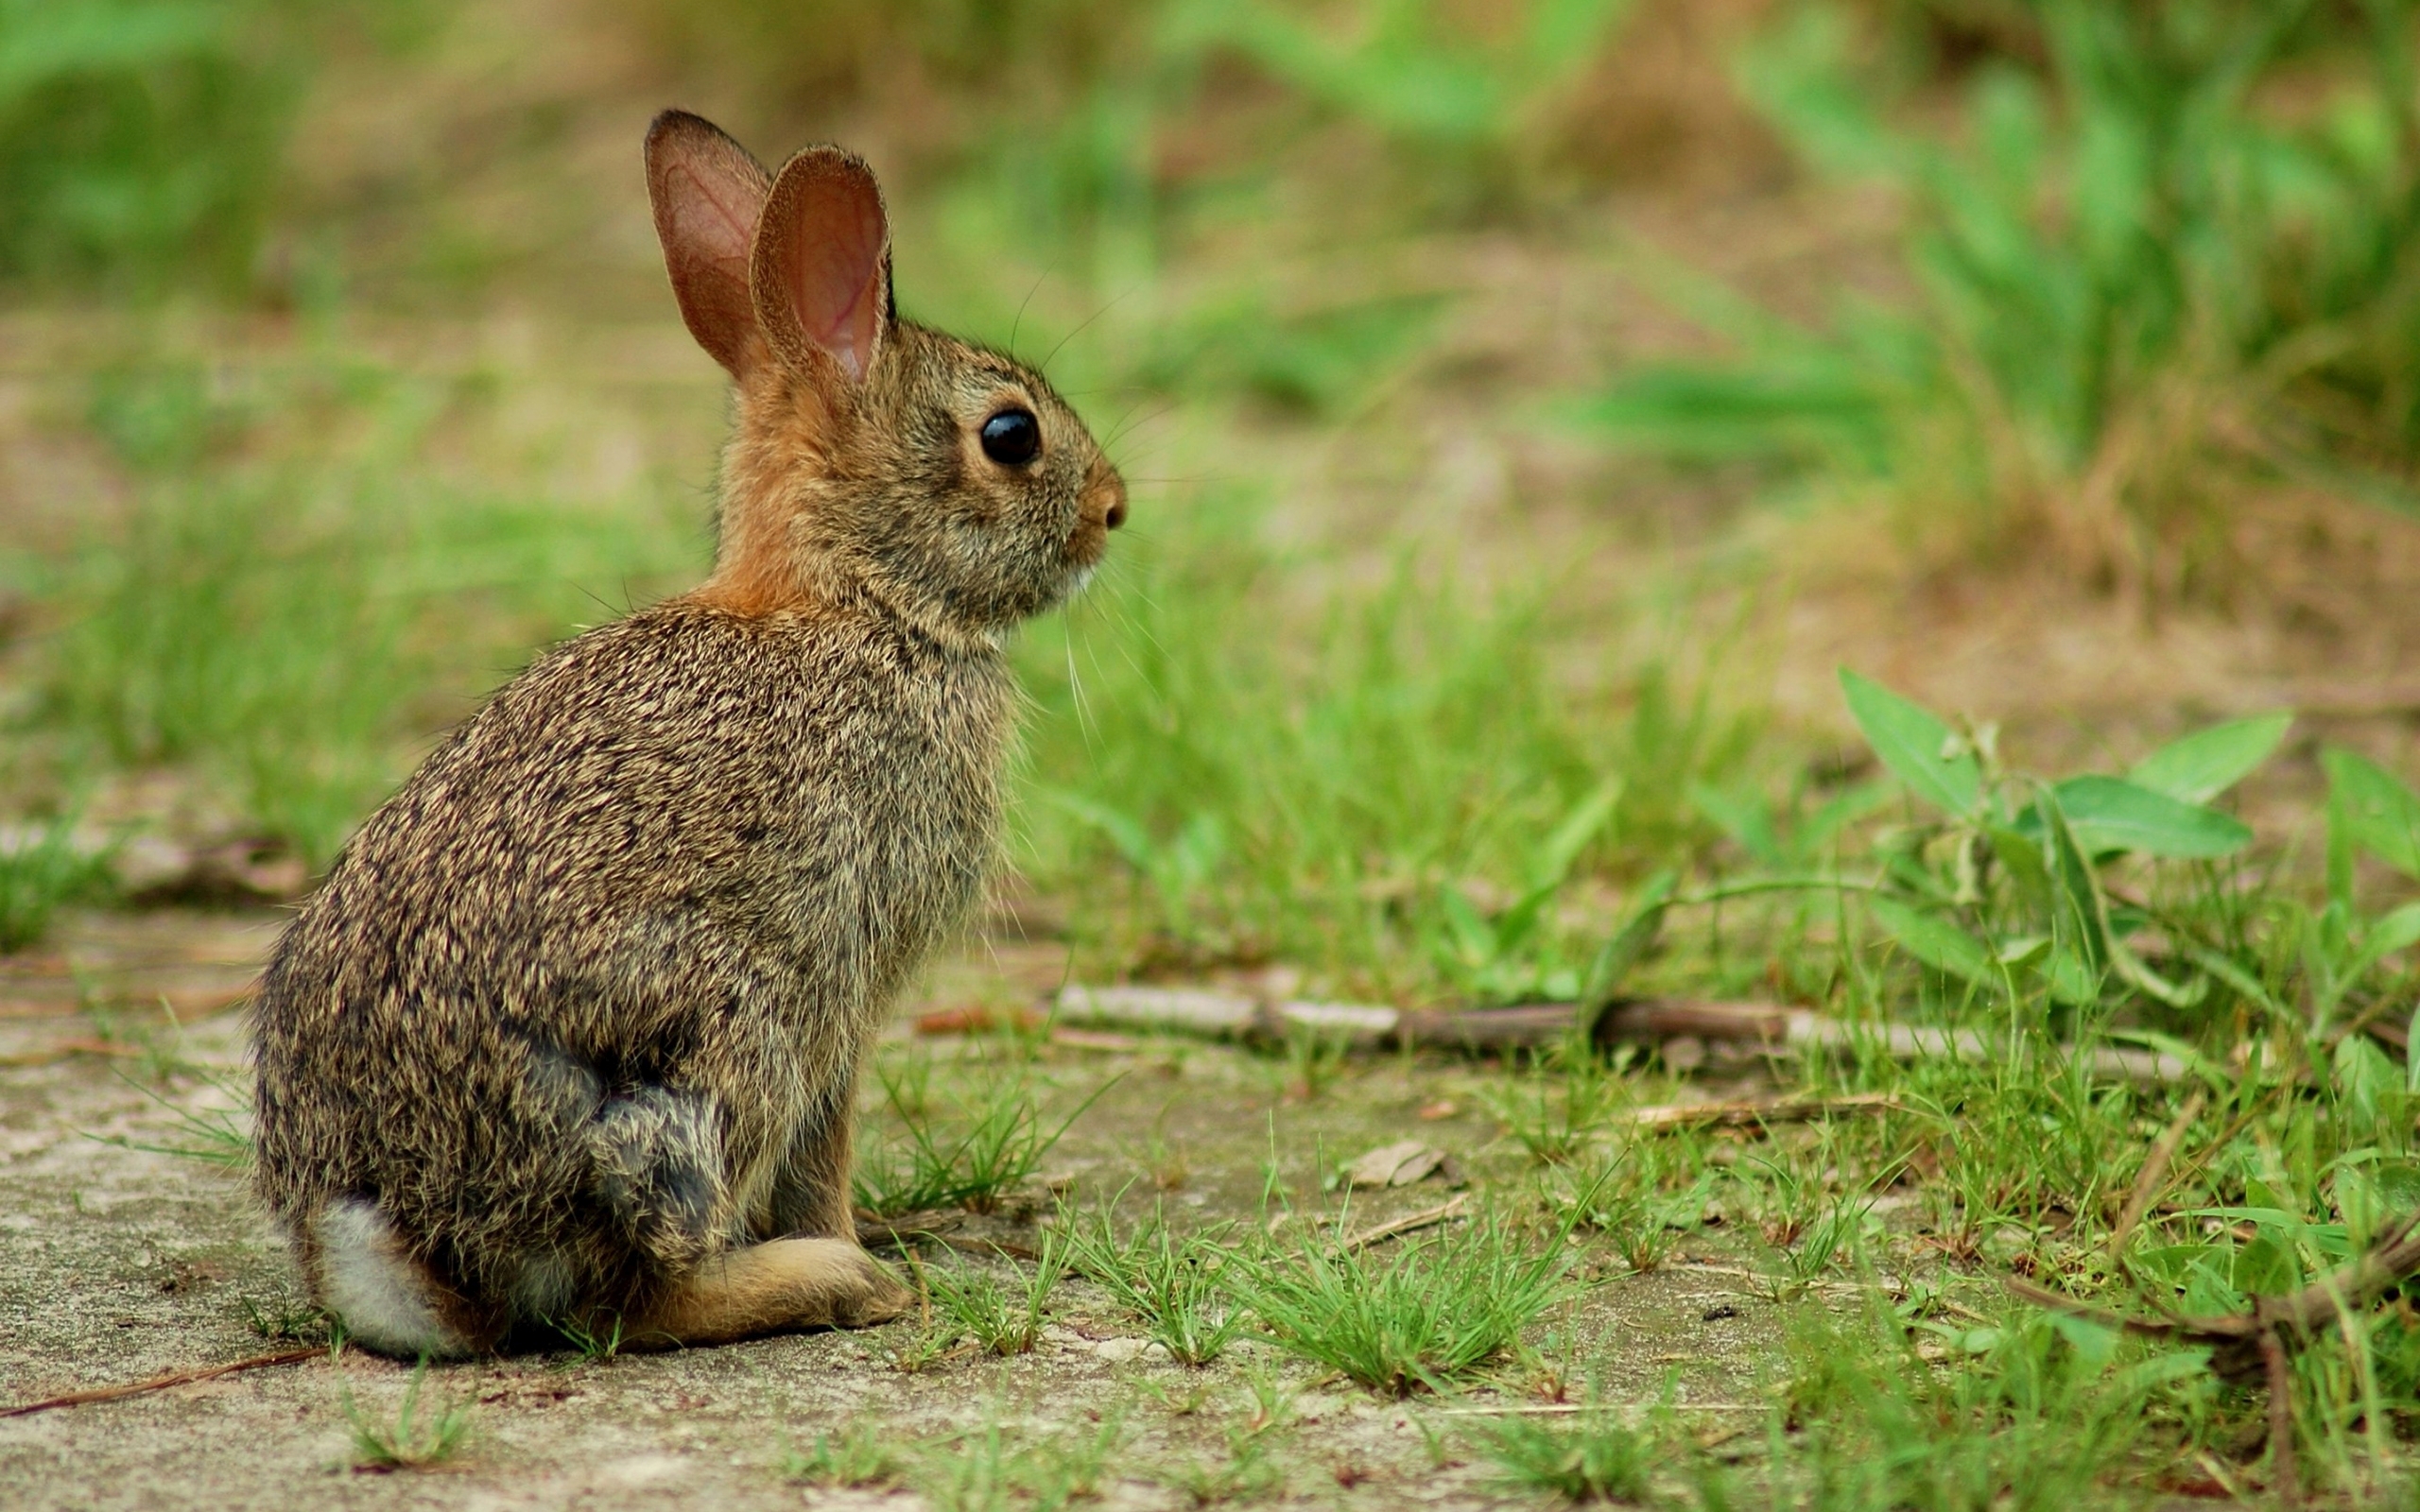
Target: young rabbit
{"points": [[573, 1029]]}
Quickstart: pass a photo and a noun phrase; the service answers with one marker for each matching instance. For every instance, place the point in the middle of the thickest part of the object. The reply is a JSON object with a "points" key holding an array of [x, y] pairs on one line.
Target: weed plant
{"points": [[857, 1455], [418, 1437], [996, 1140], [969, 1302], [1641, 1195], [988, 1468], [1428, 1316], [1250, 1469], [1593, 1455], [1176, 1287], [219, 1136], [1563, 1104], [2131, 273]]}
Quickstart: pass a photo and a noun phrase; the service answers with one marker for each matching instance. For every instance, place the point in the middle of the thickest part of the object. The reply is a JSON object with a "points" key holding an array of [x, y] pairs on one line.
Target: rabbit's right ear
{"points": [[708, 194]]}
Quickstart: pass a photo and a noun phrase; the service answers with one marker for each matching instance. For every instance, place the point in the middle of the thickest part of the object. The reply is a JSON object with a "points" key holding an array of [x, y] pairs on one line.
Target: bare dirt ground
{"points": [[119, 1263]]}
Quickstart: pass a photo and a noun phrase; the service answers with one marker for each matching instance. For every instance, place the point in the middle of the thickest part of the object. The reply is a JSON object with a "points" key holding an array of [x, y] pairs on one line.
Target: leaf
{"points": [[1133, 843], [1745, 818], [1911, 741], [1570, 837], [2069, 980], [2112, 814], [2209, 762], [1943, 947], [2160, 1370], [2376, 812], [1473, 938], [1619, 953], [2077, 913], [2397, 931]]}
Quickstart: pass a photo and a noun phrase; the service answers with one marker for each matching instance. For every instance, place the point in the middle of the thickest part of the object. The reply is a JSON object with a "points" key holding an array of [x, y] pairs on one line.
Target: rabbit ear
{"points": [[821, 265], [708, 194]]}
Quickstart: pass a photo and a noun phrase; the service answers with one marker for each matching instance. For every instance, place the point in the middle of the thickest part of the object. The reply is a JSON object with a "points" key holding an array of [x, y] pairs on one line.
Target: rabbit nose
{"points": [[1107, 490]]}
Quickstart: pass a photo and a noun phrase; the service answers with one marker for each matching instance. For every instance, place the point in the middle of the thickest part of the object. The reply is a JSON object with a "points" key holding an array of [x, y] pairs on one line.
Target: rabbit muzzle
{"points": [[1099, 509]]}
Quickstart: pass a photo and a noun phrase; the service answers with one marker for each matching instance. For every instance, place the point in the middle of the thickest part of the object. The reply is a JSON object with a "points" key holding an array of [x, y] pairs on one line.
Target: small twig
{"points": [[174, 1378], [2148, 1181], [1445, 1212]]}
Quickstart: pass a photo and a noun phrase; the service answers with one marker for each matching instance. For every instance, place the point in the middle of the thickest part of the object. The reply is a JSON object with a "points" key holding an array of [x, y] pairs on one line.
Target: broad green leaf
{"points": [[2209, 762], [1920, 750], [2378, 813], [2112, 814], [1943, 946]]}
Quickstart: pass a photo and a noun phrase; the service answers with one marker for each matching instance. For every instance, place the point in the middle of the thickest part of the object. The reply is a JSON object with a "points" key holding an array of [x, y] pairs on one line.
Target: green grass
{"points": [[970, 1301], [417, 1437], [1396, 796], [1427, 1315], [975, 1155], [1177, 1286], [43, 869], [857, 1455], [2133, 279], [2157, 250], [296, 585], [1590, 1456], [990, 1468]]}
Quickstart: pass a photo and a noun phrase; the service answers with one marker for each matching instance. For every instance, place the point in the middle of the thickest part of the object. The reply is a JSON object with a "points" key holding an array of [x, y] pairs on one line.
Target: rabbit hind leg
{"points": [[764, 1288]]}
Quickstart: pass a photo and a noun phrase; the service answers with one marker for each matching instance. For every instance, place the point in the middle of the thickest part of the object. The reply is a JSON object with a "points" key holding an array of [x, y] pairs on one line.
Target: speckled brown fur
{"points": [[572, 1029]]}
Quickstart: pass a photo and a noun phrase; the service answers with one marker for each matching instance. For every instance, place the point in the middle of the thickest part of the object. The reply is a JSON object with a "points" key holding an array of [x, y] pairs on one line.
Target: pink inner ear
{"points": [[836, 270], [719, 224]]}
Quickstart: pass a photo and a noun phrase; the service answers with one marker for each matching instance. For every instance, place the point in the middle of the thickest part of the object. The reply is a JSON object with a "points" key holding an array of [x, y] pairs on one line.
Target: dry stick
{"points": [[1451, 1207], [174, 1378], [1764, 1026], [1749, 1112], [2150, 1181]]}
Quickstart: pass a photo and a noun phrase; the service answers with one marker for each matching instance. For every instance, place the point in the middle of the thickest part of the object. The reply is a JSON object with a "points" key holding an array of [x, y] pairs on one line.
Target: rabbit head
{"points": [[871, 455]]}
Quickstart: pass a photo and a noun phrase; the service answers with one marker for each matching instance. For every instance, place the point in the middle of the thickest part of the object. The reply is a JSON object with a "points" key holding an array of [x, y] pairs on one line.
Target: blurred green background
{"points": [[1527, 404]]}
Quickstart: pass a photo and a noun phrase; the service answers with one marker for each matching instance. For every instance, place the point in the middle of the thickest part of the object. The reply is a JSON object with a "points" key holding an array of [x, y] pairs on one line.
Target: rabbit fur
{"points": [[571, 1030]]}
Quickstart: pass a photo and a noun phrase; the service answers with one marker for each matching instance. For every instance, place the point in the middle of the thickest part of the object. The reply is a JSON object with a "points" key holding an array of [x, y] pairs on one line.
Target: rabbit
{"points": [[571, 1031]]}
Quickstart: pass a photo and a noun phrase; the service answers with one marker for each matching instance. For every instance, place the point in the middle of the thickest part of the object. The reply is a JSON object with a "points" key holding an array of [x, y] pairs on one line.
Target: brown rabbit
{"points": [[572, 1032]]}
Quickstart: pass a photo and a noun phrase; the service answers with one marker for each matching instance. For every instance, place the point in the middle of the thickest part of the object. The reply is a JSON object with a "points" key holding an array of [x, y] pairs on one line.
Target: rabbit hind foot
{"points": [[768, 1287], [386, 1299]]}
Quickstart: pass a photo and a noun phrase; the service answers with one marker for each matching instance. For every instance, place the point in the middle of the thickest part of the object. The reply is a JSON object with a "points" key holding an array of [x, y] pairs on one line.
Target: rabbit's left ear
{"points": [[708, 196], [820, 269]]}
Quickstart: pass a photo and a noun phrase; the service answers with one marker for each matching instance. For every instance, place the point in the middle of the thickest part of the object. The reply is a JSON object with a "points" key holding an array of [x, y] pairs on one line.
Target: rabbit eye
{"points": [[1013, 437]]}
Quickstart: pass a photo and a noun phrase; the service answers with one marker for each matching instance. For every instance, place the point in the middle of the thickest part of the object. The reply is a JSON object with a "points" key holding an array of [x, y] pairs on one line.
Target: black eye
{"points": [[1013, 437]]}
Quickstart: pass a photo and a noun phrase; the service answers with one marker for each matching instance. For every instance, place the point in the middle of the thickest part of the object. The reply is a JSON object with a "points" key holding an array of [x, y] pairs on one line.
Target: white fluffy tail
{"points": [[383, 1297]]}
